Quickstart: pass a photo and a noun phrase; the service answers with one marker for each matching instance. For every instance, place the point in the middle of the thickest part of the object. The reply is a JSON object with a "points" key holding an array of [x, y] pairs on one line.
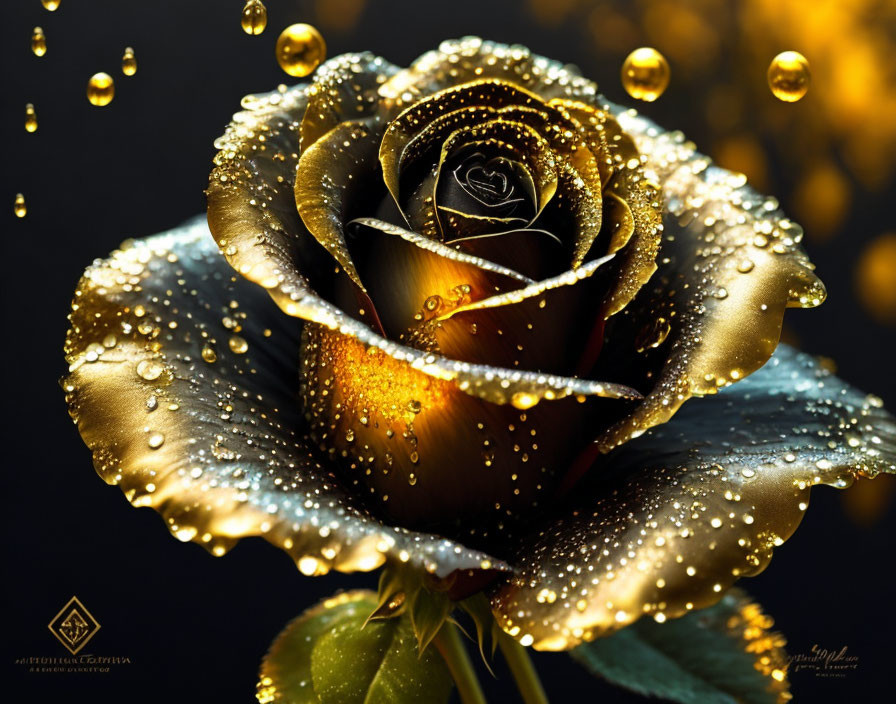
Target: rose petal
{"points": [[402, 269], [470, 58], [337, 177], [695, 503], [252, 209], [730, 264], [184, 383], [344, 89], [512, 329]]}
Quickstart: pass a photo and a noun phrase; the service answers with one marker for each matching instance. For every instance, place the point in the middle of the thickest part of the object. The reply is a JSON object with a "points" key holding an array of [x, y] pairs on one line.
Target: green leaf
{"points": [[725, 654], [328, 656]]}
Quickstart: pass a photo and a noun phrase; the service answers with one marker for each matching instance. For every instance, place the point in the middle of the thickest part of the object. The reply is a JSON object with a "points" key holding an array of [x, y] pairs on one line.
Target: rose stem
{"points": [[523, 670], [448, 642]]}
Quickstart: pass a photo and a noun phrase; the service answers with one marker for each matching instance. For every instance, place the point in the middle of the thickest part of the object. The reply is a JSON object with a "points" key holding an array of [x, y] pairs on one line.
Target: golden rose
{"points": [[493, 290]]}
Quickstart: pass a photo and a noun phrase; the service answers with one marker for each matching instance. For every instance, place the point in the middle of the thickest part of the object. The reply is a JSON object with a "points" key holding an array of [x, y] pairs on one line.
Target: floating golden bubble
{"points": [[38, 42], [30, 118], [51, 5], [300, 49], [19, 206], [788, 76], [255, 17], [100, 89], [128, 62], [645, 74]]}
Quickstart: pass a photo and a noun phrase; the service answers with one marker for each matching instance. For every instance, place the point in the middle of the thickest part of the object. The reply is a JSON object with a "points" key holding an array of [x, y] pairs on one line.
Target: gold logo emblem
{"points": [[73, 626]]}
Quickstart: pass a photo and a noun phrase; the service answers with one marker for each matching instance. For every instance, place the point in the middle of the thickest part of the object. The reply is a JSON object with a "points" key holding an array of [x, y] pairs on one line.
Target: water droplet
{"points": [[100, 89], [208, 354], [349, 435], [149, 369], [412, 479], [156, 440], [523, 400], [38, 42], [51, 5], [19, 207], [300, 49], [745, 266], [645, 74], [255, 17], [30, 118], [128, 62], [238, 345], [788, 76]]}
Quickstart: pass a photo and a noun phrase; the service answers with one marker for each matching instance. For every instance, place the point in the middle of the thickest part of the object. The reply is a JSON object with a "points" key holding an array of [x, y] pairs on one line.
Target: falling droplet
{"points": [[255, 17], [208, 354], [38, 42], [645, 74], [100, 89], [300, 49], [238, 345], [51, 5], [19, 207], [30, 118], [128, 62], [788, 76]]}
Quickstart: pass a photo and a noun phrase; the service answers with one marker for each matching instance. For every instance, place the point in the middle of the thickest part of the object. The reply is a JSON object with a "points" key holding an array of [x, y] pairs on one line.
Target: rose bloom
{"points": [[448, 317]]}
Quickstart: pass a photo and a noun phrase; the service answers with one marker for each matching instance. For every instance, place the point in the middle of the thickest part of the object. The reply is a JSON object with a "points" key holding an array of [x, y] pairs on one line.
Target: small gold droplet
{"points": [[38, 42], [645, 74], [238, 345], [255, 17], [100, 89], [300, 49], [208, 354], [19, 206], [30, 118], [788, 76], [51, 5], [128, 62]]}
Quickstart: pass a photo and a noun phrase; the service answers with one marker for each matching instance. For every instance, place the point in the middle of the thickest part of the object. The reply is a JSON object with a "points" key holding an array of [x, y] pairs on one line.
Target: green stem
{"points": [[523, 670], [448, 642]]}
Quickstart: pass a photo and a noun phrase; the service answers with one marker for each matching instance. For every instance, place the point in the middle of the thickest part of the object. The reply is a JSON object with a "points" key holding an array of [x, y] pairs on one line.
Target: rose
{"points": [[493, 290]]}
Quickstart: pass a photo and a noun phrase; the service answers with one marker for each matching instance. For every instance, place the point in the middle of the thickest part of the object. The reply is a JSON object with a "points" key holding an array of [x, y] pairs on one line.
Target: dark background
{"points": [[196, 627]]}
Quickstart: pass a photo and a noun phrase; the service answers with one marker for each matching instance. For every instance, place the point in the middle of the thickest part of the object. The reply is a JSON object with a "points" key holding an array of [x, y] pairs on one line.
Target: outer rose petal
{"points": [[730, 264], [696, 503], [183, 382], [468, 59]]}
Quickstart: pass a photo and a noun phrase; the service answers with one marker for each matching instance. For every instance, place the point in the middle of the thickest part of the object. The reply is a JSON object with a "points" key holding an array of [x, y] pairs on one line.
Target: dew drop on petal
{"points": [[238, 345], [51, 5]]}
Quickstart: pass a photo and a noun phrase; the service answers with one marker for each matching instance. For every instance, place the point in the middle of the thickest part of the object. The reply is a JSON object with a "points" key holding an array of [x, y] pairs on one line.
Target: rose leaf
{"points": [[720, 655]]}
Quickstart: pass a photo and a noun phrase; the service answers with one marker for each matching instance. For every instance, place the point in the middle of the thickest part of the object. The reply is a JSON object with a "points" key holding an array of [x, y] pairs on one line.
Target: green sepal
{"points": [[329, 656], [429, 611], [480, 611], [724, 654]]}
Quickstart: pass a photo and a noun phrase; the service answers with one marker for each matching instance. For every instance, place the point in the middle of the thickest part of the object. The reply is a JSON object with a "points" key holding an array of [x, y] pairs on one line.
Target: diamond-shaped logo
{"points": [[73, 626]]}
